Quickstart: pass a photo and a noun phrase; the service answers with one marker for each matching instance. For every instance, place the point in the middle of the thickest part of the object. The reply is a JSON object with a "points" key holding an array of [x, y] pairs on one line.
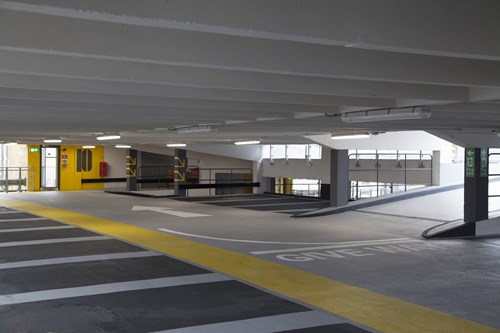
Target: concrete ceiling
{"points": [[257, 69]]}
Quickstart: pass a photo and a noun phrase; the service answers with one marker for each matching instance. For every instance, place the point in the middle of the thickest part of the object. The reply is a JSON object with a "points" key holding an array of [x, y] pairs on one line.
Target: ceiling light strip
{"points": [[108, 137], [254, 142], [350, 136]]}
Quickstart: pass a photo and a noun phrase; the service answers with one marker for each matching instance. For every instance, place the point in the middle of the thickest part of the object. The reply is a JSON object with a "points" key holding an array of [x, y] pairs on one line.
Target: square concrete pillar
{"points": [[339, 178], [132, 167], [476, 185], [180, 174]]}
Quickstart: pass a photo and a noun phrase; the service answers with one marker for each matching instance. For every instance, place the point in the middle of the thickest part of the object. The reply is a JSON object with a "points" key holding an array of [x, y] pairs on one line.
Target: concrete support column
{"points": [[339, 178], [436, 168], [131, 165], [180, 168], [258, 178], [476, 185]]}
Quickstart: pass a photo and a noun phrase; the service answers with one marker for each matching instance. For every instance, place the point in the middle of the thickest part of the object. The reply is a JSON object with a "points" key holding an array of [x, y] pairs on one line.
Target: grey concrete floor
{"points": [[378, 248]]}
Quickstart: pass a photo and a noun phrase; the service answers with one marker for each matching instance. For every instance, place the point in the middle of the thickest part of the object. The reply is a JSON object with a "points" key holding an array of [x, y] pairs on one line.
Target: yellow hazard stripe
{"points": [[381, 312]]}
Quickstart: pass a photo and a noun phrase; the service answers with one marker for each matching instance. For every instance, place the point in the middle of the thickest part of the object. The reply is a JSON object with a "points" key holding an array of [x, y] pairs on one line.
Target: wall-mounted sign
{"points": [[34, 150], [483, 165], [469, 162]]}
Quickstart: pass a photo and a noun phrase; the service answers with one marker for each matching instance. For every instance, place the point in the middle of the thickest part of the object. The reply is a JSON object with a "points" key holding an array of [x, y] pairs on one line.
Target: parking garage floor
{"points": [[98, 262]]}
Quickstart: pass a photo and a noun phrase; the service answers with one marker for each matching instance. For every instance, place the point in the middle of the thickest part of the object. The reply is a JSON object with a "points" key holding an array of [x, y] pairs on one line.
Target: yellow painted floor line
{"points": [[381, 312]]}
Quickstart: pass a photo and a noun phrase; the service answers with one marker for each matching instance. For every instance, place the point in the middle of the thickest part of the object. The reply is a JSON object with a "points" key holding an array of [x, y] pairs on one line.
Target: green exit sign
{"points": [[34, 150]]}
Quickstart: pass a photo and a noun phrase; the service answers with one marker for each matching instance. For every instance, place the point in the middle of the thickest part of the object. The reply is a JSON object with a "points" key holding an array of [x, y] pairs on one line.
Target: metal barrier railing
{"points": [[297, 189], [364, 190], [402, 160], [492, 174], [162, 177], [16, 179]]}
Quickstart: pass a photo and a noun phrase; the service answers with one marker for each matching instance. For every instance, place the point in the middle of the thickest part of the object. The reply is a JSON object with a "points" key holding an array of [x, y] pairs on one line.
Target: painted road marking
{"points": [[355, 249], [279, 204], [342, 245], [109, 288], [269, 324], [51, 241], [11, 212], [234, 200], [169, 211], [358, 252], [38, 228], [68, 260], [381, 312], [282, 243], [24, 219]]}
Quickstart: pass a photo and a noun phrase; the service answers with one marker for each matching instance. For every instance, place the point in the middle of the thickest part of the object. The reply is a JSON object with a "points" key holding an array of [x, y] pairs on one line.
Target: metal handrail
{"points": [[210, 180], [309, 192], [19, 177], [402, 168], [492, 174]]}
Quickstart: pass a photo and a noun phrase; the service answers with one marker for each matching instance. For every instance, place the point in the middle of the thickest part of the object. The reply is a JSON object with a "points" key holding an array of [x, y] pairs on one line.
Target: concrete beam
{"points": [[39, 82], [125, 71], [145, 100], [59, 35], [448, 28]]}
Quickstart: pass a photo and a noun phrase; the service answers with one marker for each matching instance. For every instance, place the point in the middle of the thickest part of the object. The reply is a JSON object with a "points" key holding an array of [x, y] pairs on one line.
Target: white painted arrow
{"points": [[169, 211]]}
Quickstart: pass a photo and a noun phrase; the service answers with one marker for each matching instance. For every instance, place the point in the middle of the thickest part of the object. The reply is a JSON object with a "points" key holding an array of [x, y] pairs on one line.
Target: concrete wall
{"points": [[210, 164], [249, 153], [17, 156], [116, 159]]}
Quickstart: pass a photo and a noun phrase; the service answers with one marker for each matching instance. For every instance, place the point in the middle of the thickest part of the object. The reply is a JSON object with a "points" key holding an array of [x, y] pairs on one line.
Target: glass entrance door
{"points": [[50, 171]]}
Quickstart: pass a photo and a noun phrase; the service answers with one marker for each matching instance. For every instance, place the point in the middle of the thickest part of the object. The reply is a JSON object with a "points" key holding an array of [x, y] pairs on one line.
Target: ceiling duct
{"points": [[407, 113]]}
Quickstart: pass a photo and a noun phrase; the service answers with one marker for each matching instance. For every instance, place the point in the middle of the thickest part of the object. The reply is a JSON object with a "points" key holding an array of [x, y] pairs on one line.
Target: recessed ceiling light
{"points": [[350, 136], [176, 145], [123, 146], [52, 140], [254, 142], [108, 137], [88, 147]]}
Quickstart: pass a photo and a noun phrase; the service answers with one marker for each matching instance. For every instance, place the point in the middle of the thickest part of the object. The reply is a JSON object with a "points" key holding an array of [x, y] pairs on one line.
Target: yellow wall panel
{"points": [[70, 179], [34, 165], [93, 173]]}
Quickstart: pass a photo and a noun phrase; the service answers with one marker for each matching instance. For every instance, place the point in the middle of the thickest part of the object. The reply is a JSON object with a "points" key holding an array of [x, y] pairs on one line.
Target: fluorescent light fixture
{"points": [[108, 137], [350, 136], [196, 129], [415, 112], [52, 140], [239, 143], [123, 146], [176, 145], [88, 147]]}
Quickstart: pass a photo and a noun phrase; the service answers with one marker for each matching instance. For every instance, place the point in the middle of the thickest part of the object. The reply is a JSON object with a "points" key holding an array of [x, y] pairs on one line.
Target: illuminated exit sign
{"points": [[34, 150]]}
